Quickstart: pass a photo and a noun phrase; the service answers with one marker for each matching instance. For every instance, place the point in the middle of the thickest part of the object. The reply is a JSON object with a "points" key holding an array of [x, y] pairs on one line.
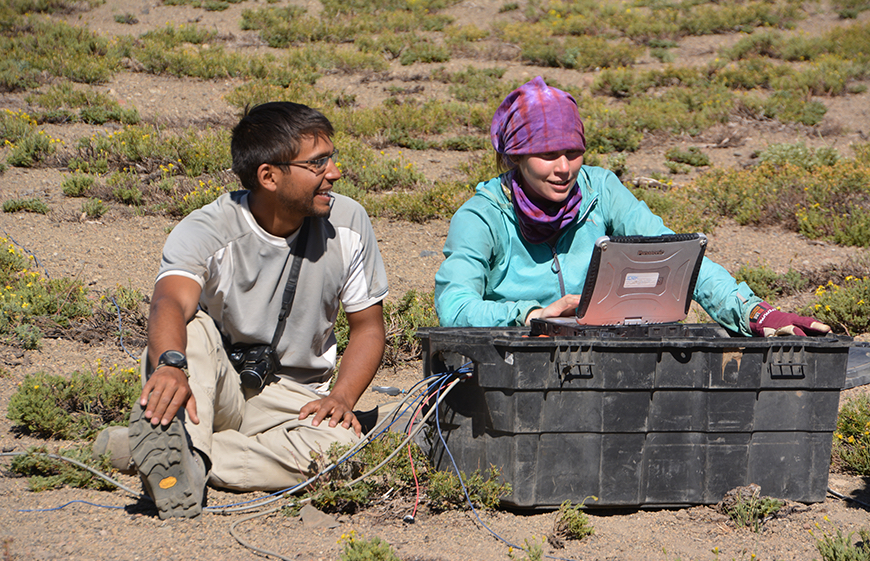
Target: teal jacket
{"points": [[492, 277]]}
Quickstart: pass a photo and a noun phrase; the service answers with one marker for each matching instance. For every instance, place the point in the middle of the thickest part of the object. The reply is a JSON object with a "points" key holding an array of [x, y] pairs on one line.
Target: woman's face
{"points": [[549, 176]]}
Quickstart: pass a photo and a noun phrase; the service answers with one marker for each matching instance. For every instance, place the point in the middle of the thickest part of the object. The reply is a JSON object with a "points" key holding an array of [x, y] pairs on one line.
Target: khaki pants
{"points": [[254, 439]]}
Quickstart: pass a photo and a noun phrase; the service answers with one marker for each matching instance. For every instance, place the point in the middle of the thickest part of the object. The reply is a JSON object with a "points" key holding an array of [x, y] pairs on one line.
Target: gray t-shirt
{"points": [[243, 270]]}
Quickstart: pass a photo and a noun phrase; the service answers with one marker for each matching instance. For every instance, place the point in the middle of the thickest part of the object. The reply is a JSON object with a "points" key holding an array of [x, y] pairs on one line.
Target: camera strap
{"points": [[292, 280]]}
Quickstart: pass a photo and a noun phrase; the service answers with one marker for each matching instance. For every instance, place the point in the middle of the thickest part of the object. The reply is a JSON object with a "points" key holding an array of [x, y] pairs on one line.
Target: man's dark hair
{"points": [[271, 132]]}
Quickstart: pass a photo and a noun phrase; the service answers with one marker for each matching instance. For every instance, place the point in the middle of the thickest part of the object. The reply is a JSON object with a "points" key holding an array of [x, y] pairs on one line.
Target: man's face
{"points": [[303, 189]]}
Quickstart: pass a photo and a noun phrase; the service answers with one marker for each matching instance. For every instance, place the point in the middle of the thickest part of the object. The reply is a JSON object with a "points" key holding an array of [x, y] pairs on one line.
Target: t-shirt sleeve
{"points": [[366, 282], [185, 252]]}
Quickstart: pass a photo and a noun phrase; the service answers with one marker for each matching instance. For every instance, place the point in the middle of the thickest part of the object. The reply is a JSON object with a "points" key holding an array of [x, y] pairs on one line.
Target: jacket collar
{"points": [[497, 191]]}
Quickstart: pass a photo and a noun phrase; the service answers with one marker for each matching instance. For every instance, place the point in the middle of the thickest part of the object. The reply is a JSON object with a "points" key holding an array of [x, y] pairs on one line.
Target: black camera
{"points": [[254, 363]]}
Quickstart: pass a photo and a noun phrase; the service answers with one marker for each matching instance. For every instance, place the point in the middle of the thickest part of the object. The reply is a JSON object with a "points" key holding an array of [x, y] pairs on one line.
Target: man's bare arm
{"points": [[173, 304], [359, 363]]}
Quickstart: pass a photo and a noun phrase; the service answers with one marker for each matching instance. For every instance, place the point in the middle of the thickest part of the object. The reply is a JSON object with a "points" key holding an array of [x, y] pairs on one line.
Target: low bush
{"points": [[94, 208], [769, 285], [77, 184], [484, 489], [75, 407], [359, 549], [852, 438], [846, 307], [751, 511], [571, 522], [33, 204], [31, 149], [44, 473], [28, 299], [692, 156], [841, 548]]}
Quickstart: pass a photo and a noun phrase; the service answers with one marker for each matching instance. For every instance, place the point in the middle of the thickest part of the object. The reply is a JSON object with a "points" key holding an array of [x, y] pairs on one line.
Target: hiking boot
{"points": [[115, 441], [172, 472]]}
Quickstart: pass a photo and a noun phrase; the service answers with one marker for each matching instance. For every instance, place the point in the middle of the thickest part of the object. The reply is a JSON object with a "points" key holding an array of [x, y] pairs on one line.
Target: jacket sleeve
{"points": [[727, 302], [462, 278]]}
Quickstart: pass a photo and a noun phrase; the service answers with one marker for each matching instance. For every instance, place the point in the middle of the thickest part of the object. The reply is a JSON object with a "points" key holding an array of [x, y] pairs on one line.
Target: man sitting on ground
{"points": [[216, 303]]}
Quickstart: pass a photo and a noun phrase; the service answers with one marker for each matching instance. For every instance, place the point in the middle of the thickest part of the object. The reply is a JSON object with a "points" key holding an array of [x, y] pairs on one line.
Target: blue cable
{"points": [[28, 252], [299, 486], [120, 329], [66, 505], [464, 490]]}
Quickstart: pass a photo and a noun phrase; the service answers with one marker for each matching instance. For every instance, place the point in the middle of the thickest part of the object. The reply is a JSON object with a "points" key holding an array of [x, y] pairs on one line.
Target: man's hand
{"points": [[767, 321], [165, 393], [564, 306], [335, 409]]}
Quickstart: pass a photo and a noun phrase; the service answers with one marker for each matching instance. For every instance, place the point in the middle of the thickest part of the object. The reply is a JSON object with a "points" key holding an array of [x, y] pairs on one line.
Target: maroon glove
{"points": [[767, 321]]}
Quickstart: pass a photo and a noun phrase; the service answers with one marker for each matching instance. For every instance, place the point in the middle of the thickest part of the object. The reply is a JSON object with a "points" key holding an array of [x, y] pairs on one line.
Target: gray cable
{"points": [[353, 450], [243, 543], [420, 426], [98, 473]]}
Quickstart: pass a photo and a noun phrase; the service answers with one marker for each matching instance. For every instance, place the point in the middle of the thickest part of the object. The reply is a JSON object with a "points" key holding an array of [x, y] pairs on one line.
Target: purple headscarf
{"points": [[535, 119]]}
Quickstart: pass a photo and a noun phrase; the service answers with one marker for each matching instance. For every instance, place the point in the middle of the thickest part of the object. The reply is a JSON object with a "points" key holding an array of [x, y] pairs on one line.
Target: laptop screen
{"points": [[638, 280]]}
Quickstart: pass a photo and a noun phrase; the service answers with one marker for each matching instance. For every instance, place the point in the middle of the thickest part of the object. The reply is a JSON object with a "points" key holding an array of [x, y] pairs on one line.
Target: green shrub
{"points": [[205, 193], [31, 149], [74, 407], [423, 51], [77, 184], [841, 548], [679, 207], [485, 491], [16, 125], [17, 75], [769, 285], [441, 200], [35, 205], [533, 550], [402, 320], [852, 438], [61, 49], [29, 299], [794, 107], [474, 84], [44, 473], [359, 549], [172, 36], [93, 107], [94, 208], [584, 53], [678, 168], [691, 156], [126, 18], [827, 202], [799, 155], [750, 512], [572, 523], [844, 307]]}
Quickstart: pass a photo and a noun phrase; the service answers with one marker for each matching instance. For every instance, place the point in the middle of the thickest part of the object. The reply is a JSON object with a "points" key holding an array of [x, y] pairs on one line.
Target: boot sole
{"points": [[159, 454]]}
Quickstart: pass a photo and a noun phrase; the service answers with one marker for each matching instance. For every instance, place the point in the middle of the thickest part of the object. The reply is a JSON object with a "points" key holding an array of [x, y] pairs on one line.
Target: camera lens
{"points": [[253, 375]]}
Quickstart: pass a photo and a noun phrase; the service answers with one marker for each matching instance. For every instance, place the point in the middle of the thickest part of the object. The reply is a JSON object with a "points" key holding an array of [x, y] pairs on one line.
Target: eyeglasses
{"points": [[318, 164]]}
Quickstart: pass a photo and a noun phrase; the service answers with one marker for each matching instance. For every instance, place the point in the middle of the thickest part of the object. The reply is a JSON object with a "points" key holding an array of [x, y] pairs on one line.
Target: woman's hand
{"points": [[564, 306], [767, 321]]}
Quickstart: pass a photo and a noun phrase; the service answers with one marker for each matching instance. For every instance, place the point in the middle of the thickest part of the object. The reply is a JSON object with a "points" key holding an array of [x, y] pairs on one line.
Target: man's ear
{"points": [[266, 177]]}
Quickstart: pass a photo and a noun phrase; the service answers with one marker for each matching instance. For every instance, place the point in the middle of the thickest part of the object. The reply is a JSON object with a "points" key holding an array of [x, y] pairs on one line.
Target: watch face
{"points": [[173, 358]]}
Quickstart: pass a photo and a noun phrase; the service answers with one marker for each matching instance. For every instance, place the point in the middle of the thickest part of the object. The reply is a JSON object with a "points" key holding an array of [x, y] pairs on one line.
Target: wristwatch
{"points": [[175, 359]]}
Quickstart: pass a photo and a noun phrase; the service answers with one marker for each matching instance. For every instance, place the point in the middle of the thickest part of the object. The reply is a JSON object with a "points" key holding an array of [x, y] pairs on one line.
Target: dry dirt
{"points": [[123, 248]]}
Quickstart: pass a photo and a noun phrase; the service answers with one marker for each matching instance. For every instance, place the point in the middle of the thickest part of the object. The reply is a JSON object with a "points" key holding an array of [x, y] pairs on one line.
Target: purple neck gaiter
{"points": [[540, 221]]}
